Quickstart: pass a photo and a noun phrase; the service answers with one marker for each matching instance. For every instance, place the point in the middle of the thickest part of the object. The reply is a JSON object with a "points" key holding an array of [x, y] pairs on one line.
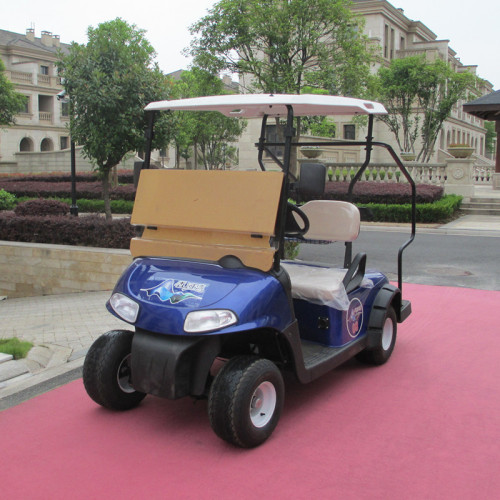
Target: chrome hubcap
{"points": [[387, 334], [263, 404]]}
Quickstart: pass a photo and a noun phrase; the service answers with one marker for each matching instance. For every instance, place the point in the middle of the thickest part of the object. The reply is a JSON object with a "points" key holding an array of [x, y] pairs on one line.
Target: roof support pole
{"points": [[280, 232]]}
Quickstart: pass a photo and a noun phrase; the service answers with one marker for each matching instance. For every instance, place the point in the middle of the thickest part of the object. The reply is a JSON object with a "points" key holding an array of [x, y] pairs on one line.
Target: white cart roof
{"points": [[257, 105]]}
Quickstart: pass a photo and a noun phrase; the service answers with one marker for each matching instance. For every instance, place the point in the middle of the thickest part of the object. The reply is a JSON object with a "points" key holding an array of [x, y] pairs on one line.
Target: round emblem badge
{"points": [[354, 318]]}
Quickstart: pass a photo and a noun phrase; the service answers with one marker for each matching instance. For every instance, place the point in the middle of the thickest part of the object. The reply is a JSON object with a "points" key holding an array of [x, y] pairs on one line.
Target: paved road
{"points": [[433, 258]]}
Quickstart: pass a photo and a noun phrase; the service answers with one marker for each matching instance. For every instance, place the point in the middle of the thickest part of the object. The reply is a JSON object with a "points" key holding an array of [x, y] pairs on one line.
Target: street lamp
{"points": [[73, 209]]}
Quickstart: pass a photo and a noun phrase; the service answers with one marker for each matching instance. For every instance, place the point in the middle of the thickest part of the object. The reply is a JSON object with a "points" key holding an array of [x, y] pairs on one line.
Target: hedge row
{"points": [[379, 192], [438, 211], [91, 206], [364, 192], [92, 231], [44, 189], [124, 177], [95, 231]]}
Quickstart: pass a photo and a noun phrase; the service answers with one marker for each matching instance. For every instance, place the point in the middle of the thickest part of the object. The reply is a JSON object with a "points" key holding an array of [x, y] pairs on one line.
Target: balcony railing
{"points": [[45, 116], [43, 79], [21, 76]]}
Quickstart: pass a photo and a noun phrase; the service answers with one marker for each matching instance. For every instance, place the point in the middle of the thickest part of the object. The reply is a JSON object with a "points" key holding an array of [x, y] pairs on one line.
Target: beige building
{"points": [[395, 36], [31, 65]]}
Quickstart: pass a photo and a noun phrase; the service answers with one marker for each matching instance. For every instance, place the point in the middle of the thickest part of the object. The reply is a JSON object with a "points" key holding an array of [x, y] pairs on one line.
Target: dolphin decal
{"points": [[174, 291]]}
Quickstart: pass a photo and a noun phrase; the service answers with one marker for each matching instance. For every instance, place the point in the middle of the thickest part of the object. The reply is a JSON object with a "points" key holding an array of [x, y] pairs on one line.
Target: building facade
{"points": [[30, 64], [396, 36], [393, 35]]}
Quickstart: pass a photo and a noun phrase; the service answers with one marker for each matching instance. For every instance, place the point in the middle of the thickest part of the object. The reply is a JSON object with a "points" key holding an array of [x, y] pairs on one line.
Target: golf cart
{"points": [[216, 310]]}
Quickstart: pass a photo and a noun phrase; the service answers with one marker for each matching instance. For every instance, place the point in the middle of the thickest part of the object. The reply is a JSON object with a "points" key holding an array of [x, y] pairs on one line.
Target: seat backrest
{"points": [[332, 220], [207, 215]]}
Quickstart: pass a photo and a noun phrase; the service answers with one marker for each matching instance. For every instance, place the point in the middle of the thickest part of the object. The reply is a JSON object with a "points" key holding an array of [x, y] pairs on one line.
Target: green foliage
{"points": [[438, 211], [490, 136], [285, 44], [94, 206], [419, 96], [97, 206], [109, 81], [7, 200], [17, 348], [208, 133], [11, 102]]}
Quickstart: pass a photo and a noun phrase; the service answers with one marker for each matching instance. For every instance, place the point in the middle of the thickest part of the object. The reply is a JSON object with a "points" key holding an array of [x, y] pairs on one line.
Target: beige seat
{"points": [[332, 220], [206, 215], [329, 221]]}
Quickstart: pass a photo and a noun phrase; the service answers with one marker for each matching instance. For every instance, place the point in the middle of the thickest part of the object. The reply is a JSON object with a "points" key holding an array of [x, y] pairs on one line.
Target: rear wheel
{"points": [[383, 350], [245, 400], [106, 371]]}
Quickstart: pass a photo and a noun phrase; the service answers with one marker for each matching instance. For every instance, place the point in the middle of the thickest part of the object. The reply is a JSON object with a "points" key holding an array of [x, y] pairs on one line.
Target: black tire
{"points": [[382, 352], [245, 400], [106, 371]]}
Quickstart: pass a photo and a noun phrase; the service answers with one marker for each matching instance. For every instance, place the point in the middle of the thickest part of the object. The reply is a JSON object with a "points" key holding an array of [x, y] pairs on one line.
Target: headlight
{"points": [[126, 308], [209, 320]]}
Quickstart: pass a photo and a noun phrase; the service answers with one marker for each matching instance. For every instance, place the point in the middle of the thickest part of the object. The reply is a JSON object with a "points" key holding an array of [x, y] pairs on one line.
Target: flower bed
{"points": [[376, 192], [92, 231], [45, 189]]}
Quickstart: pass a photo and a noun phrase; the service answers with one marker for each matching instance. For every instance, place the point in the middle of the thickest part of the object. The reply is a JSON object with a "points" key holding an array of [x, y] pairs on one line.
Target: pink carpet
{"points": [[426, 425]]}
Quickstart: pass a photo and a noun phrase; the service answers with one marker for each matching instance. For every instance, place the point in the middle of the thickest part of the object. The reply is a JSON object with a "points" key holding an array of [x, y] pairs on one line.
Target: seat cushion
{"points": [[319, 285]]}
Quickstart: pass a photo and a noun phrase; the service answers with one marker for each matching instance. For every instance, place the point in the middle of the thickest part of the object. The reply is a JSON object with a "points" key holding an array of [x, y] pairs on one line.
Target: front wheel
{"points": [[385, 345], [245, 400], [106, 371]]}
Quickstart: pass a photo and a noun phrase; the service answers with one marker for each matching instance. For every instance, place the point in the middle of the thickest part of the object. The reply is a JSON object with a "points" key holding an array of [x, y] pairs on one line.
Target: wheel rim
{"points": [[387, 334], [123, 375], [263, 404]]}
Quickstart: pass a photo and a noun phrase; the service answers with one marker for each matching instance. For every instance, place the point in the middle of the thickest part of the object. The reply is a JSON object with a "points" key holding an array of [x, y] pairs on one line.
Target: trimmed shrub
{"points": [[7, 200], [438, 211], [124, 177], [379, 192], [90, 190], [42, 207], [92, 231]]}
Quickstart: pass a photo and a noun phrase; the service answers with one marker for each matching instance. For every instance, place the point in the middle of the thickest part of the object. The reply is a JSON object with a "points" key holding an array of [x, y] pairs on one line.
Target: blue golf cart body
{"points": [[217, 311]]}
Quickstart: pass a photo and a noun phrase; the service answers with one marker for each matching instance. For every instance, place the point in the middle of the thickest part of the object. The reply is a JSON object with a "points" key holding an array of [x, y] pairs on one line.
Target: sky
{"points": [[472, 30]]}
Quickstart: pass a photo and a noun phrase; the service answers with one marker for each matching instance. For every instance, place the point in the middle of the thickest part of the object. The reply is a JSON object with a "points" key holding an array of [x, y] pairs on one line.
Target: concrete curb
{"points": [[44, 381]]}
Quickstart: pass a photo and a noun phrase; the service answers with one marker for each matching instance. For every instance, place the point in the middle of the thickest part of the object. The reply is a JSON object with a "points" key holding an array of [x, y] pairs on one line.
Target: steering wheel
{"points": [[292, 228]]}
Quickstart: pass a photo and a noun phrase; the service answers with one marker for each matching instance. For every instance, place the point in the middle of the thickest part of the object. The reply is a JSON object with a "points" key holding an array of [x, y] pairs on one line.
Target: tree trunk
{"points": [[105, 194], [115, 176]]}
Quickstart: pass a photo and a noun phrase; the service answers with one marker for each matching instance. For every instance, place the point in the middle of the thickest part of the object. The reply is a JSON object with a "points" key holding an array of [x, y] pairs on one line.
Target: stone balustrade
{"points": [[453, 174]]}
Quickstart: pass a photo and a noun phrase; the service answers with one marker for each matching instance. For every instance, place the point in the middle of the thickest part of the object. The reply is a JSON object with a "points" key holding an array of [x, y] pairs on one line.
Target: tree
{"points": [[209, 134], [280, 46], [11, 101], [490, 137], [285, 44], [109, 82], [419, 96]]}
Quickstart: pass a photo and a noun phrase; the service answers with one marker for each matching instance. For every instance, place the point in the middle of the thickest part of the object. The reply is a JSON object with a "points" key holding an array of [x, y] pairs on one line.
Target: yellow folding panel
{"points": [[207, 215]]}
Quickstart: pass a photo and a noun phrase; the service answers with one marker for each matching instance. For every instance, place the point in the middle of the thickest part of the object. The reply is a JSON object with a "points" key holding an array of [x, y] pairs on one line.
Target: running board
{"points": [[319, 359]]}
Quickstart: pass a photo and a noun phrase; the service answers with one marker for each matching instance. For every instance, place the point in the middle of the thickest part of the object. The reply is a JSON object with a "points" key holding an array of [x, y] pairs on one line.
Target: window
{"points": [[26, 105], [64, 141], [46, 145], [386, 41], [402, 43], [272, 136], [64, 108], [350, 132], [26, 145], [391, 53], [44, 70]]}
